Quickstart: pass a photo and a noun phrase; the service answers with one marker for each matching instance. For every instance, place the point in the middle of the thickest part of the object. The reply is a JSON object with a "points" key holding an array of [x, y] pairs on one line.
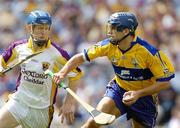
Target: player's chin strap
{"points": [[39, 43], [115, 42]]}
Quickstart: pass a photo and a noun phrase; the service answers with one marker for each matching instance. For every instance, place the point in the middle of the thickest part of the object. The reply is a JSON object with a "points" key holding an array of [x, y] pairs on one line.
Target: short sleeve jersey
{"points": [[34, 88], [136, 68]]}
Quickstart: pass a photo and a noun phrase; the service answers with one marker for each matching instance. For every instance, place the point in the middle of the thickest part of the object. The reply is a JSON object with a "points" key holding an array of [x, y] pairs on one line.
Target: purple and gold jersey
{"points": [[136, 68], [34, 88]]}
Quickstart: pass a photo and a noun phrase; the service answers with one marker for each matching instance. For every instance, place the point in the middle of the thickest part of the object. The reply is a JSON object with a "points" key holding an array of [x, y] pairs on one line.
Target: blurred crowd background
{"points": [[78, 24]]}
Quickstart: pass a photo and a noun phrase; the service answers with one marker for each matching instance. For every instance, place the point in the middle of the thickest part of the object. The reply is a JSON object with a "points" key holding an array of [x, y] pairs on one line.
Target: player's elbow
{"points": [[79, 58]]}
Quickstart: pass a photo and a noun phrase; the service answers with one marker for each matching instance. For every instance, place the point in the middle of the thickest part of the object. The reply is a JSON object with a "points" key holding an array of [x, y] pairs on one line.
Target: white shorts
{"points": [[29, 117]]}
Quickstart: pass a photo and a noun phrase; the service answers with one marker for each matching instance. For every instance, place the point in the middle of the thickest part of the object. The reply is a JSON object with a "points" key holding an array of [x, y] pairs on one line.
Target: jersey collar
{"points": [[132, 44], [30, 44]]}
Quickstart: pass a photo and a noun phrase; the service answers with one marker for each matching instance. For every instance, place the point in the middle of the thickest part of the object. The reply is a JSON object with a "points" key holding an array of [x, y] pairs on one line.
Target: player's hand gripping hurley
{"points": [[99, 117]]}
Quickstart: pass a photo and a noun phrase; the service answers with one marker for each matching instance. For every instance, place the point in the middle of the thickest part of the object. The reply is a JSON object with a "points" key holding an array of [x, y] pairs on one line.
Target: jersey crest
{"points": [[45, 66], [134, 62], [114, 61]]}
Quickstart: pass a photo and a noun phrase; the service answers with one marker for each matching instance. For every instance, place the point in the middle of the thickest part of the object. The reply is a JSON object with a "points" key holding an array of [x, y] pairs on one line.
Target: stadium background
{"points": [[80, 23]]}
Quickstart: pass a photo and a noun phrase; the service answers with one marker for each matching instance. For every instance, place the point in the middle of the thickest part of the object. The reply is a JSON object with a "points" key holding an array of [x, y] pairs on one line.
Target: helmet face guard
{"points": [[39, 18], [40, 34]]}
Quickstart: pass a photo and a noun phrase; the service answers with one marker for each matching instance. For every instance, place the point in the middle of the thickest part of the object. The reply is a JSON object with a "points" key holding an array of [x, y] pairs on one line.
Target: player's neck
{"points": [[125, 44], [37, 48]]}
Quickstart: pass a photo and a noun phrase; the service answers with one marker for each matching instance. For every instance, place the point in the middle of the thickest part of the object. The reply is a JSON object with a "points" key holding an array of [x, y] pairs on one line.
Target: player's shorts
{"points": [[29, 117], [143, 110]]}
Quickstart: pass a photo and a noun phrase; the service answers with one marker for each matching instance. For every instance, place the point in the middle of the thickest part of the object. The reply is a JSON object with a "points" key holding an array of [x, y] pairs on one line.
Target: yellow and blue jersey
{"points": [[34, 88], [138, 67]]}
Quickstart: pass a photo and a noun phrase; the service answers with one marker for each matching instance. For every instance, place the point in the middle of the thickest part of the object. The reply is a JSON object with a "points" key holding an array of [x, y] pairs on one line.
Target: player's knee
{"points": [[90, 124], [2, 124], [136, 124], [1, 121]]}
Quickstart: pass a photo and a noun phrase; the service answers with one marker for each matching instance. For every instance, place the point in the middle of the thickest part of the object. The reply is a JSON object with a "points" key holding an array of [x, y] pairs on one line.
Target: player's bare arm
{"points": [[74, 62], [68, 108], [131, 97]]}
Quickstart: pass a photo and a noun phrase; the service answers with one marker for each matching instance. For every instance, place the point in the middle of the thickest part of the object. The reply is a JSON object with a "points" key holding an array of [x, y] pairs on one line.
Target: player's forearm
{"points": [[154, 89], [73, 63]]}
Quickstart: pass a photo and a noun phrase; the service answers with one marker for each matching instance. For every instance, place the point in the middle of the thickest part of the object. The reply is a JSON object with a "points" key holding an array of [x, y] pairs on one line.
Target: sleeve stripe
{"points": [[86, 55], [158, 55], [63, 52], [166, 79], [78, 69], [8, 53]]}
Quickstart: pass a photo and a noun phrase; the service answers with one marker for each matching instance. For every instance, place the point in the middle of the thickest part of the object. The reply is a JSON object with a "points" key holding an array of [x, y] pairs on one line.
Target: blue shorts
{"points": [[143, 111]]}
